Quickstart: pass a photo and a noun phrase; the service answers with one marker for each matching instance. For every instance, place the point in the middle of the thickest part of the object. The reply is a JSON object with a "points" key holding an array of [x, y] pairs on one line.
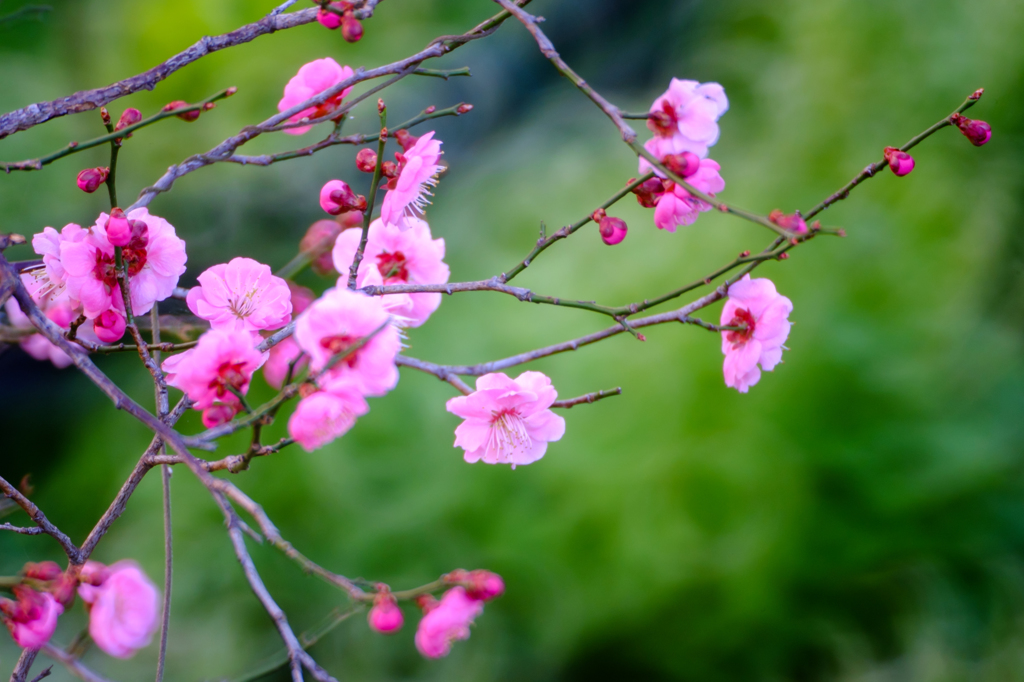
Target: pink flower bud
{"points": [[366, 160], [90, 179], [901, 163], [119, 232], [351, 29], [484, 585], [684, 165], [109, 326], [44, 570], [329, 19], [405, 139], [978, 132], [613, 230], [389, 169], [385, 617], [181, 104], [792, 222], [218, 414], [130, 117], [431, 109], [464, 109], [337, 197]]}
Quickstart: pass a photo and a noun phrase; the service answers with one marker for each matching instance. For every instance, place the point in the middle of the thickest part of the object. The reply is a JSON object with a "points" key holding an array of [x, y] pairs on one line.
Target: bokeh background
{"points": [[858, 516]]}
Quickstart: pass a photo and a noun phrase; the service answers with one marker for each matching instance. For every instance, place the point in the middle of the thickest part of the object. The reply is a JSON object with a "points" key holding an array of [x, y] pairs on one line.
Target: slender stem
{"points": [[163, 408], [588, 398], [371, 199], [124, 283], [125, 347], [115, 147]]}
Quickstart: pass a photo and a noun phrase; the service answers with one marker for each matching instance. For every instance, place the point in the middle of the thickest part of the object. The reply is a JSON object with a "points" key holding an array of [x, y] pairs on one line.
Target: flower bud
{"points": [[366, 160], [337, 197], [484, 585], [389, 169], [90, 179], [385, 617], [318, 242], [598, 215], [181, 104], [613, 230], [329, 19], [130, 117], [684, 165], [44, 570], [218, 414], [351, 29], [405, 140], [119, 232], [901, 163], [109, 326], [105, 116], [63, 589], [431, 109], [978, 132], [427, 603], [648, 193], [795, 222], [464, 109]]}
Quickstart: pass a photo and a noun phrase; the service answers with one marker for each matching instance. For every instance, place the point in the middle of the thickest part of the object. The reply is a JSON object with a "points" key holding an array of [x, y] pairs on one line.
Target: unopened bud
{"points": [[641, 337], [389, 169], [683, 165], [318, 243], [405, 140], [745, 254], [427, 603], [431, 109], [791, 222], [351, 28], [484, 585], [329, 19], [976, 95], [464, 109], [44, 570], [209, 105], [337, 197], [648, 193], [613, 230], [900, 162], [366, 160], [381, 107], [185, 115], [105, 116], [63, 589], [385, 617], [783, 256], [109, 326], [978, 132], [230, 91], [130, 117], [598, 215], [218, 414], [90, 179], [119, 232]]}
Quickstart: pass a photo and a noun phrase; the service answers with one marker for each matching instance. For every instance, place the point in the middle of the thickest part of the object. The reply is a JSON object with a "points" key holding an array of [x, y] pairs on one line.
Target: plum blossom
{"points": [[336, 322], [447, 622], [685, 119], [326, 415], [507, 421], [59, 311], [417, 169], [241, 295], [32, 618], [676, 206], [480, 584], [123, 607], [755, 304], [221, 365], [312, 79], [398, 256], [284, 353], [52, 278], [155, 256]]}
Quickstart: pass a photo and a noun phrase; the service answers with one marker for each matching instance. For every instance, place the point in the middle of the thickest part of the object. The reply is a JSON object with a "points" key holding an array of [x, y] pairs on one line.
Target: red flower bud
{"points": [[901, 163], [351, 29], [405, 140], [329, 19], [484, 585], [184, 116], [389, 169], [366, 160], [464, 109], [318, 242], [431, 109], [794, 223], [130, 117], [598, 215], [684, 165], [978, 132], [385, 617], [90, 179], [119, 232], [105, 116], [44, 570], [613, 230]]}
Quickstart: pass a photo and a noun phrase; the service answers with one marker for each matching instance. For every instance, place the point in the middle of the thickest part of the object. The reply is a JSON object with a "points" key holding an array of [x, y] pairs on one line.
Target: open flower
{"points": [[446, 623], [507, 421], [123, 608], [408, 256], [32, 618], [241, 295], [218, 368], [340, 320], [676, 206], [312, 79], [685, 119], [59, 310], [418, 170], [326, 415], [755, 305], [51, 277]]}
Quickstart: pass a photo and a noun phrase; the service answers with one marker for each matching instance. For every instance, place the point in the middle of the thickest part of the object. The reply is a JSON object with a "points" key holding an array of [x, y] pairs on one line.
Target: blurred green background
{"points": [[858, 516]]}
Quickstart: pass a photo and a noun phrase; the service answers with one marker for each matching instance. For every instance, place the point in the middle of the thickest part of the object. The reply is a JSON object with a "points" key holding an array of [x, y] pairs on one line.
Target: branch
{"points": [[73, 665], [37, 515], [87, 100], [30, 530], [25, 661], [588, 398]]}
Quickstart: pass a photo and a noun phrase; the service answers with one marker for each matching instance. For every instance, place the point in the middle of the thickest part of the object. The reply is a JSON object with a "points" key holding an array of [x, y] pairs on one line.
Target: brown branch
{"points": [[37, 515], [71, 662], [87, 100], [29, 530], [25, 661], [588, 398]]}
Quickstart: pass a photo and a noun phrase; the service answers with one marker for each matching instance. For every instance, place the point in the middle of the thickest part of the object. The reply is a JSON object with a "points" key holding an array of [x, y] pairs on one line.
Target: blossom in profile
{"points": [[755, 305], [241, 295], [336, 323], [221, 365], [312, 79], [447, 622], [123, 608], [676, 206], [326, 415], [685, 119], [507, 421], [410, 256], [32, 617], [407, 192], [154, 254]]}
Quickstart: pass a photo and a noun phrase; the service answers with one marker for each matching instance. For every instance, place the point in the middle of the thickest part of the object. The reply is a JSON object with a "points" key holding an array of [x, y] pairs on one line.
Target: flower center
{"points": [[134, 254], [740, 319], [340, 344], [664, 122], [392, 267], [230, 375], [508, 433], [243, 306]]}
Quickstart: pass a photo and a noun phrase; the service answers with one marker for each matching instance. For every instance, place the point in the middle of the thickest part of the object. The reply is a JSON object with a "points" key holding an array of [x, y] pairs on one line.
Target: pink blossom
{"points": [[155, 257], [312, 79], [221, 364], [409, 256], [219, 413], [418, 170], [336, 197], [281, 357], [58, 310], [32, 618], [325, 415], [51, 277], [480, 584], [241, 295], [109, 326], [676, 206], [685, 117], [447, 622], [385, 617], [339, 320], [507, 421], [329, 19], [755, 304], [123, 609]]}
